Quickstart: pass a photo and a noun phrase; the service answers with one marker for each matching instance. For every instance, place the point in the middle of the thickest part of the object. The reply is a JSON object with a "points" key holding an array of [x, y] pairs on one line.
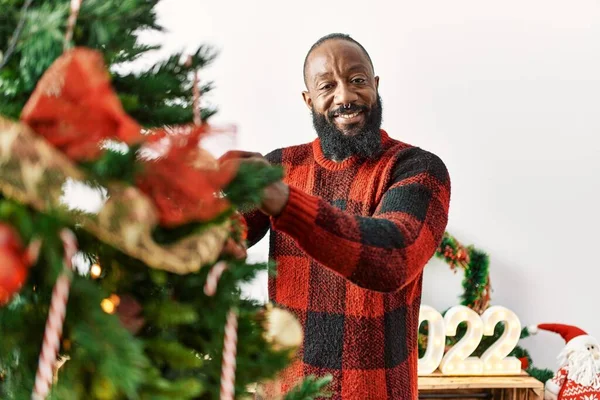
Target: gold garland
{"points": [[33, 172]]}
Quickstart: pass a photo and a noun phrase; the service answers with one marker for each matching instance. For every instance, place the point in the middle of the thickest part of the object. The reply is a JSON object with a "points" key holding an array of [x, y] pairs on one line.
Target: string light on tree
{"points": [[110, 304], [95, 271]]}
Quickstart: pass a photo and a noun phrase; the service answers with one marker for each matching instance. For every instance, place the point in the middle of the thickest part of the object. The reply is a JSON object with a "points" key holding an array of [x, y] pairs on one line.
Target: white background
{"points": [[507, 93]]}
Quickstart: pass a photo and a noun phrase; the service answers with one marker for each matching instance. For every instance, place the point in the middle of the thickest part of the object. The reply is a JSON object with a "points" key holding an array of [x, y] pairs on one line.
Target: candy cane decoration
{"points": [[195, 94], [210, 288], [60, 293], [56, 317], [230, 340], [229, 353], [75, 6]]}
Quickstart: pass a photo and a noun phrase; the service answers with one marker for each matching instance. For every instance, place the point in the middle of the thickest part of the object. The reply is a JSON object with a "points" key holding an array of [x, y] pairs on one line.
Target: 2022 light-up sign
{"points": [[457, 360]]}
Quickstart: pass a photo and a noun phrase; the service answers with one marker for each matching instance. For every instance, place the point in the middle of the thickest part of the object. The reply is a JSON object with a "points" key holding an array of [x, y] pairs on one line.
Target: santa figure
{"points": [[578, 377]]}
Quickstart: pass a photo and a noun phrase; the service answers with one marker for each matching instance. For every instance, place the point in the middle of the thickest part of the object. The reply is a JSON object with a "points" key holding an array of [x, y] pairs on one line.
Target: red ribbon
{"points": [[75, 108]]}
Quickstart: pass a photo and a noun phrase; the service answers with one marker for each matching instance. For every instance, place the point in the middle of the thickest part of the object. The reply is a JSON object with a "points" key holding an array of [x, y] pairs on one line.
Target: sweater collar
{"points": [[338, 166]]}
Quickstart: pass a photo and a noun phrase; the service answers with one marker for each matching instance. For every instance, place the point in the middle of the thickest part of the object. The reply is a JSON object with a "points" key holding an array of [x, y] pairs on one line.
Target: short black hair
{"points": [[334, 36]]}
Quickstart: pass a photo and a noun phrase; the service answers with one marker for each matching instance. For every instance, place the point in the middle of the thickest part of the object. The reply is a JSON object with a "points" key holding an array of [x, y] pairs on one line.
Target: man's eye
{"points": [[326, 86], [359, 80]]}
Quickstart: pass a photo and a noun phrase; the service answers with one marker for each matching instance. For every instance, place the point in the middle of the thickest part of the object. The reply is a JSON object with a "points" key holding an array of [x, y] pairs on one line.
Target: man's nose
{"points": [[344, 95]]}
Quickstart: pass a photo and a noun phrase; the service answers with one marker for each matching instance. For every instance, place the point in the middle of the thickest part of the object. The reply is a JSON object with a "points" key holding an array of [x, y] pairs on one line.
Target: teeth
{"points": [[348, 116]]}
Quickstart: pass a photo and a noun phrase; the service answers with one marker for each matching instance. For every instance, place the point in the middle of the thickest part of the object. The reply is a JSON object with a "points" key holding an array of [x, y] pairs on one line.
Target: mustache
{"points": [[342, 110]]}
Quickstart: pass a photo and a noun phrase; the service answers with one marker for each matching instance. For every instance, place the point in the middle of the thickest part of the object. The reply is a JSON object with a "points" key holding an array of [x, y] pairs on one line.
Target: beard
{"points": [[363, 141], [583, 368]]}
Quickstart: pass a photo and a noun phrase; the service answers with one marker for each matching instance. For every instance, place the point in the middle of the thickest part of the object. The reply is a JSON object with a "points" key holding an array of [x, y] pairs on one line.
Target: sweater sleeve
{"points": [[388, 250], [258, 226]]}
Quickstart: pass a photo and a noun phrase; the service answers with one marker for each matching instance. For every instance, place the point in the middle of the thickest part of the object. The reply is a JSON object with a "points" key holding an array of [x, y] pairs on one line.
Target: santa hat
{"points": [[573, 336]]}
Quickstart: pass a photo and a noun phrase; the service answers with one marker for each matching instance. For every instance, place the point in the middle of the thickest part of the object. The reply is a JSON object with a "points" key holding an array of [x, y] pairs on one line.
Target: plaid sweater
{"points": [[350, 247]]}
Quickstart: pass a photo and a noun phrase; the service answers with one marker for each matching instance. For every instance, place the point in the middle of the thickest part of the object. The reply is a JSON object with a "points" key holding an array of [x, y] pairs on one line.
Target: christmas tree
{"points": [[156, 311]]}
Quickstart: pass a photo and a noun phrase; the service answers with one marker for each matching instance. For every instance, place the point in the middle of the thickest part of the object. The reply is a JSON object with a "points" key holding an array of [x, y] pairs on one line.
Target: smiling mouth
{"points": [[349, 118]]}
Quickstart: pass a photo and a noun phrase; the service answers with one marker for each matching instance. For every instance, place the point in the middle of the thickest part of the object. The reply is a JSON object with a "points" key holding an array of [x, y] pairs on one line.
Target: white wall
{"points": [[506, 92]]}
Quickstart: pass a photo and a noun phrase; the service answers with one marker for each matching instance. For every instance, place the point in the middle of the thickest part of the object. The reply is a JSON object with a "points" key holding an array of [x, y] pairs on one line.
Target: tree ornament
{"points": [[9, 238], [129, 312], [282, 329], [14, 262], [13, 273]]}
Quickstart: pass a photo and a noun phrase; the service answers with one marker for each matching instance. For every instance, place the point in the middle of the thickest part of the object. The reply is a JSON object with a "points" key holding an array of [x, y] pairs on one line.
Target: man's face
{"points": [[342, 96]]}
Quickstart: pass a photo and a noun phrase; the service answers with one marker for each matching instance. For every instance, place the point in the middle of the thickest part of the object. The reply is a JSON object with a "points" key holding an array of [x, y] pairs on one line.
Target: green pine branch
{"points": [[158, 388], [476, 276], [542, 375], [245, 190], [166, 314], [173, 353], [311, 388]]}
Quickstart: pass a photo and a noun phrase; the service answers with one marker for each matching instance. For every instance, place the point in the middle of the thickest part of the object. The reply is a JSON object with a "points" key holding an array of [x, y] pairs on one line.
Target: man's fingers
{"points": [[234, 158], [235, 163], [235, 154], [233, 249]]}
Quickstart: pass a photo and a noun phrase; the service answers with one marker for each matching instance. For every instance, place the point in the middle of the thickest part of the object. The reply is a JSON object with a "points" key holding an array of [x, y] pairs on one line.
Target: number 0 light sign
{"points": [[457, 360]]}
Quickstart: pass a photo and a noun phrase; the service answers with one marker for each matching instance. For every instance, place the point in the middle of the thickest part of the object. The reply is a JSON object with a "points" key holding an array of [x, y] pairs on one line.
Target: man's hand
{"points": [[275, 196], [236, 250]]}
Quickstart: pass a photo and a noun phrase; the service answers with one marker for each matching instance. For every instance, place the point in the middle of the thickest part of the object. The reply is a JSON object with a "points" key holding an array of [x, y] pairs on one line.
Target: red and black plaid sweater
{"points": [[350, 247]]}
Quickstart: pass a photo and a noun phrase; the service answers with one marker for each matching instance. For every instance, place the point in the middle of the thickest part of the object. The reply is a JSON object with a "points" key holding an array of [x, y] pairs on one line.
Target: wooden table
{"points": [[516, 387]]}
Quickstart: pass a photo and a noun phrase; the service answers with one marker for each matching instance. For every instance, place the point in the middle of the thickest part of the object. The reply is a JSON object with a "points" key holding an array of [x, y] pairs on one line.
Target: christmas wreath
{"points": [[475, 263]]}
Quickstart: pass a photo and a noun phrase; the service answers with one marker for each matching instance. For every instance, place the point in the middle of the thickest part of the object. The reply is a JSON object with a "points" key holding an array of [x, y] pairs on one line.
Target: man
{"points": [[353, 223]]}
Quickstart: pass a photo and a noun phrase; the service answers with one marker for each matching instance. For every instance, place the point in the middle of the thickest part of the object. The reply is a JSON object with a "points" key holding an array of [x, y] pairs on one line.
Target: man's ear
{"points": [[307, 99], [377, 82]]}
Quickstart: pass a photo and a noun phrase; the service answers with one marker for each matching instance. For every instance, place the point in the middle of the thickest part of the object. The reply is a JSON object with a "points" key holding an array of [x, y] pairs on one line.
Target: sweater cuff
{"points": [[299, 214]]}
